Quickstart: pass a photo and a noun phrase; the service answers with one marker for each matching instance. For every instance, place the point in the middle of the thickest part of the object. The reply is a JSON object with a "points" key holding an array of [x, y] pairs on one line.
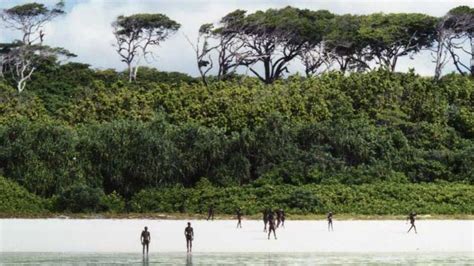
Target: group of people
{"points": [[269, 218]]}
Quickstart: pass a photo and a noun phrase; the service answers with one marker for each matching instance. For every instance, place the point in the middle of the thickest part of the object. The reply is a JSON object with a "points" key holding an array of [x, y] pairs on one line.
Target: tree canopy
{"points": [[137, 34]]}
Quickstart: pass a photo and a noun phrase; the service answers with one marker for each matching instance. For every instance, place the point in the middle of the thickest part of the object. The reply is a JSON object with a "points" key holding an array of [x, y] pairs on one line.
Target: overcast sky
{"points": [[86, 28]]}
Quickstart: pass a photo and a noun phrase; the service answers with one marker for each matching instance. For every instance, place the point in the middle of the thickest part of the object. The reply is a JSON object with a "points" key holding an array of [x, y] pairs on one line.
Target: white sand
{"points": [[64, 235]]}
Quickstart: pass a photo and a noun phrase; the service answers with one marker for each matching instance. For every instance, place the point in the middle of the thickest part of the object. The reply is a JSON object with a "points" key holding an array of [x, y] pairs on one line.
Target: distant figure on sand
{"points": [[271, 224], [265, 220], [239, 218], [278, 214], [282, 218], [145, 239], [210, 213], [330, 228], [412, 217], [189, 234]]}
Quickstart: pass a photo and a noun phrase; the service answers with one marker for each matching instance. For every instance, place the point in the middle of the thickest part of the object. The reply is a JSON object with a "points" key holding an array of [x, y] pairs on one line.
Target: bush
{"points": [[80, 198], [113, 202], [379, 198], [15, 199]]}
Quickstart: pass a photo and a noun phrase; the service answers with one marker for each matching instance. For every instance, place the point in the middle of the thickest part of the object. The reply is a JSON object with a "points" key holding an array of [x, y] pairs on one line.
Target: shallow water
{"points": [[237, 259]]}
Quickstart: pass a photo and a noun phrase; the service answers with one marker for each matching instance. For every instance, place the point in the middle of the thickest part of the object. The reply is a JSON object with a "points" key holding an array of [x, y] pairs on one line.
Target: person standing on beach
{"points": [[239, 218], [210, 212], [145, 239], [329, 217], [282, 218], [278, 214], [412, 217], [271, 224], [189, 235], [265, 219]]}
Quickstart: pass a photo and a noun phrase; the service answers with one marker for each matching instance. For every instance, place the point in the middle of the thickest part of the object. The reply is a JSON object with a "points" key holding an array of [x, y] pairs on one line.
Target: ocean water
{"points": [[13, 258]]}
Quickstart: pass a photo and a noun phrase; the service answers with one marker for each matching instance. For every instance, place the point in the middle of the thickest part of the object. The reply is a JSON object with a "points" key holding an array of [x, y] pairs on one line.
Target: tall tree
{"points": [[390, 36], [314, 54], [22, 57], [275, 37], [137, 34], [231, 49], [344, 44], [459, 22], [203, 50]]}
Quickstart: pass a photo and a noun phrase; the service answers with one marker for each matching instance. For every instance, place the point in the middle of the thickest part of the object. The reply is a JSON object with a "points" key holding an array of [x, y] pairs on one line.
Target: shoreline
{"points": [[221, 217]]}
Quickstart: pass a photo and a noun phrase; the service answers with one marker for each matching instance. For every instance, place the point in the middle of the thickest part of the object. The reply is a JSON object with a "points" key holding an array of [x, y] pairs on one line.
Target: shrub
{"points": [[80, 198], [15, 199]]}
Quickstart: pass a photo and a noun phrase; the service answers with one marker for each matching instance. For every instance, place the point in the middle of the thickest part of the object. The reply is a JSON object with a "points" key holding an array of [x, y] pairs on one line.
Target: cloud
{"points": [[86, 29]]}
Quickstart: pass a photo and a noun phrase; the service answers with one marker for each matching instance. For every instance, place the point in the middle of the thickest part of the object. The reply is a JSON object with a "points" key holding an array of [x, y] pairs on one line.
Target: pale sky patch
{"points": [[86, 28]]}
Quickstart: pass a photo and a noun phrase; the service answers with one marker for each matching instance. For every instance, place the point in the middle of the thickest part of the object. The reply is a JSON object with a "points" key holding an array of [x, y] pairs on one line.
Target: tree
{"points": [[459, 22], [137, 34], [22, 57], [455, 31], [390, 36], [275, 37], [314, 54], [230, 48], [203, 50], [344, 44]]}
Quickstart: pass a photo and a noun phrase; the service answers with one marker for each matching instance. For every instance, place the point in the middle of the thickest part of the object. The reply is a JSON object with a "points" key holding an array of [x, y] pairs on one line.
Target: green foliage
{"points": [[380, 199], [82, 198], [333, 130], [39, 155], [15, 199], [113, 202]]}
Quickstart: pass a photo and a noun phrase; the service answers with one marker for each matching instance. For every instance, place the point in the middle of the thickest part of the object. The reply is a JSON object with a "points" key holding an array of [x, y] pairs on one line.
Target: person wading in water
{"points": [[330, 228], [412, 217], [239, 218], [145, 239], [189, 235], [278, 214]]}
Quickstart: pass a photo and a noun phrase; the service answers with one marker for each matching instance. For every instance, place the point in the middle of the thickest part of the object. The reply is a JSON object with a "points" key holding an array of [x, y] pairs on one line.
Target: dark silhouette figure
{"points": [[412, 217], [271, 225], [189, 235], [239, 218], [282, 218], [265, 220], [330, 228], [145, 238], [210, 213], [278, 216]]}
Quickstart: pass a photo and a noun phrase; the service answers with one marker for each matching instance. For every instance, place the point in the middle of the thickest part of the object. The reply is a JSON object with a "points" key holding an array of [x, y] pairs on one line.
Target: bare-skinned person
{"points": [[329, 217], [265, 220], [145, 238], [189, 235], [210, 212], [271, 225], [412, 217], [239, 218]]}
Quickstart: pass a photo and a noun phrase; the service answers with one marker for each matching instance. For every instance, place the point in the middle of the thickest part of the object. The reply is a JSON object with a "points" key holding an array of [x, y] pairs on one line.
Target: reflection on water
{"points": [[237, 258]]}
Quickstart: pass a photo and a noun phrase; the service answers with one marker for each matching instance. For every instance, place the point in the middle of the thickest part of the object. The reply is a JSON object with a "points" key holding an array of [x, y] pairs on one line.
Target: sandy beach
{"points": [[101, 235]]}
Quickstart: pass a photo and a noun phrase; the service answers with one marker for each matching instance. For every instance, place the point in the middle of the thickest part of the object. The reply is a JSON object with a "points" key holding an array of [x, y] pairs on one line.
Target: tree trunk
{"points": [[439, 60], [472, 54], [130, 72]]}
